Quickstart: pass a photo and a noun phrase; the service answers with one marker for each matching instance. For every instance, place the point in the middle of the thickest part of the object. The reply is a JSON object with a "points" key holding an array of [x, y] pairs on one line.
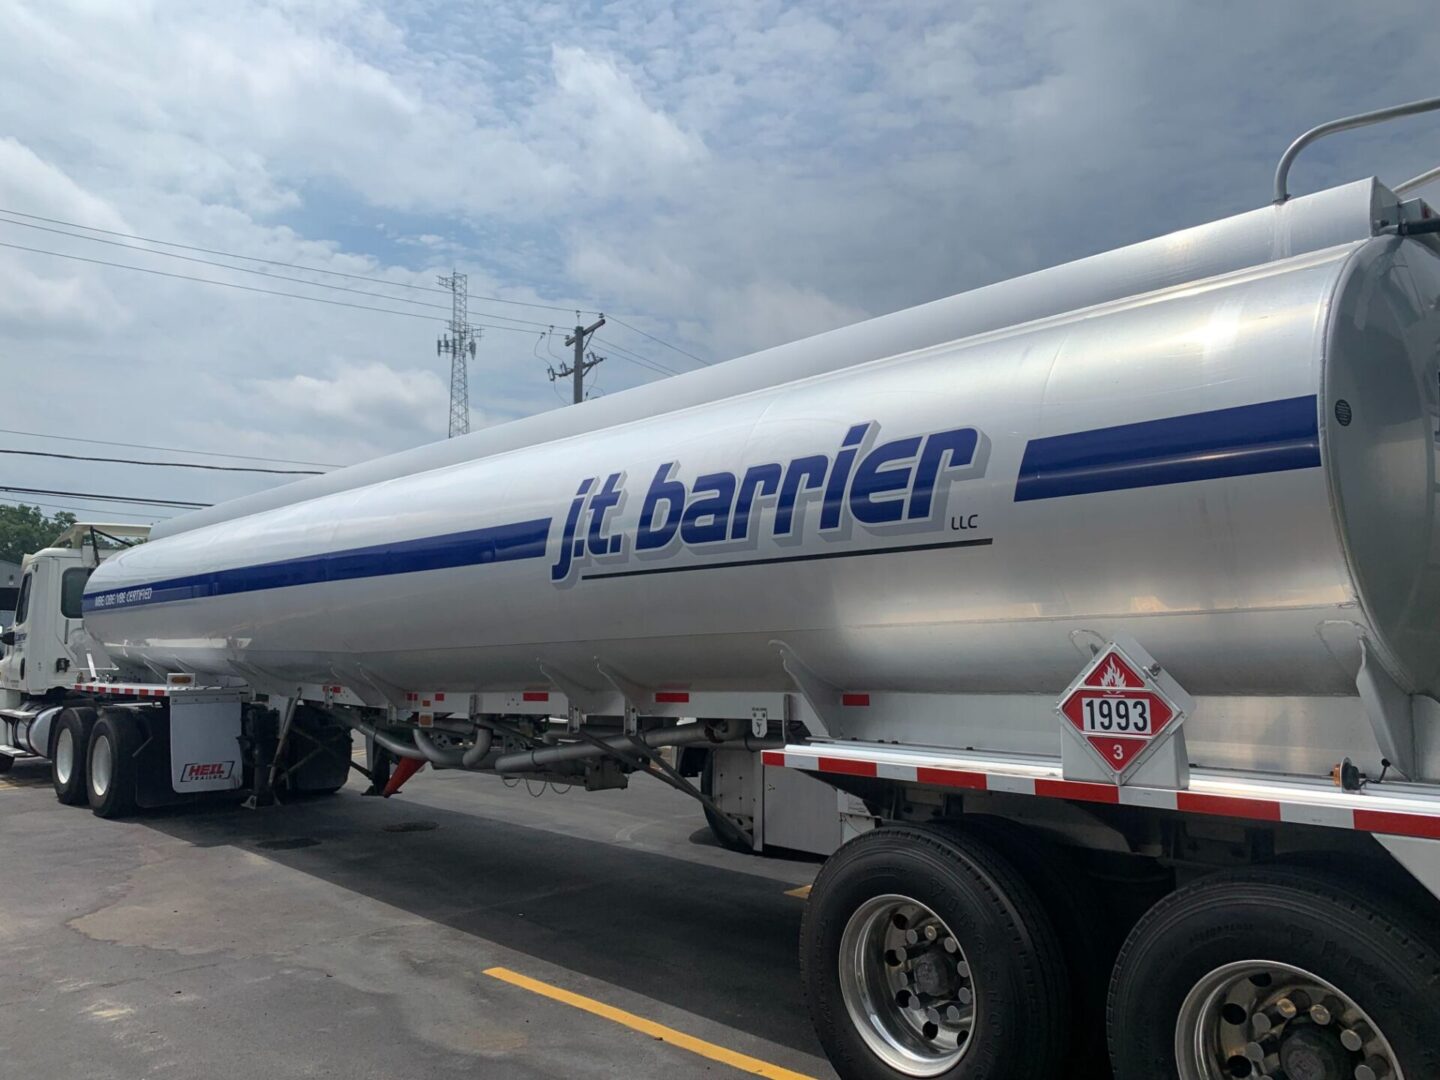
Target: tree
{"points": [[25, 529]]}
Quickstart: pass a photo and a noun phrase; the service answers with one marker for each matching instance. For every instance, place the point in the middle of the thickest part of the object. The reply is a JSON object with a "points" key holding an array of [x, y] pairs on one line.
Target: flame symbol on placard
{"points": [[1112, 675]]}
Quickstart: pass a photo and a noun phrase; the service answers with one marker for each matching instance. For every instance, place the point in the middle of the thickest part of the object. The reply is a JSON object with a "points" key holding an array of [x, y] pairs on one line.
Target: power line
{"points": [[636, 358], [166, 449], [162, 464], [314, 270], [90, 497], [251, 288], [262, 273], [290, 265], [633, 358], [660, 341], [225, 266], [550, 348], [79, 511]]}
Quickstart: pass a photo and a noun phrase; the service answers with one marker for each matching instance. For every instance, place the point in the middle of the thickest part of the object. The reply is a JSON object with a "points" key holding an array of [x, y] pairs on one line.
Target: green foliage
{"points": [[25, 529]]}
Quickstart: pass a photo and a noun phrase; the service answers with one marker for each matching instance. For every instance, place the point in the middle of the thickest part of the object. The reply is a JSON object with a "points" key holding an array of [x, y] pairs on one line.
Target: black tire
{"points": [[67, 767], [6, 762], [726, 838], [1016, 965], [1073, 904], [114, 740], [1372, 948]]}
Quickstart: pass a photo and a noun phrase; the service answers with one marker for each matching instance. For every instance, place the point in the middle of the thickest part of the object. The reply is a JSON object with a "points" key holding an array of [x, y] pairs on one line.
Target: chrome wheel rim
{"points": [[1260, 1018], [100, 766], [64, 756], [906, 984]]}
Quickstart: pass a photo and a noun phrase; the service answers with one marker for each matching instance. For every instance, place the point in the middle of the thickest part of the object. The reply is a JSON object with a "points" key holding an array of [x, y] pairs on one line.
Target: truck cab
{"points": [[46, 646]]}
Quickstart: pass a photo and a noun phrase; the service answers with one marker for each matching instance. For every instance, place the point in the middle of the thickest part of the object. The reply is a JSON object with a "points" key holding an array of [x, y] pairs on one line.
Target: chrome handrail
{"points": [[1417, 181], [1282, 171]]}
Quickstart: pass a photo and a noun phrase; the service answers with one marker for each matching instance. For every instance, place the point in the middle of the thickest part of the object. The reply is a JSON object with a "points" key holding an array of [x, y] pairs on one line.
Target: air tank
{"points": [[1225, 469]]}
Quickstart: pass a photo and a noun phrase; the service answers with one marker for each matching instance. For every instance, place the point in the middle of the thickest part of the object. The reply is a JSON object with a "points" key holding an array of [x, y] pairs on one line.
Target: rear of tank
{"points": [[1380, 431]]}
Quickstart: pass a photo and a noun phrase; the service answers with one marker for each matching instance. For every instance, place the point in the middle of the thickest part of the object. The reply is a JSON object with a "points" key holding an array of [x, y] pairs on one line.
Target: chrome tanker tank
{"points": [[1237, 471]]}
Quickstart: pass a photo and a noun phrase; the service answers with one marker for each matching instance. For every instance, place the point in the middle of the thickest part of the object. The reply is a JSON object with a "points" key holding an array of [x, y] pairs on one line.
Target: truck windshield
{"points": [[72, 591]]}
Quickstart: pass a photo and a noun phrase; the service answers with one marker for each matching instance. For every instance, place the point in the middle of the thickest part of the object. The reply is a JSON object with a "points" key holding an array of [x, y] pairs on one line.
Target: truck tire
{"points": [[6, 762], [68, 749], [1073, 904], [111, 769], [924, 953], [1277, 970]]}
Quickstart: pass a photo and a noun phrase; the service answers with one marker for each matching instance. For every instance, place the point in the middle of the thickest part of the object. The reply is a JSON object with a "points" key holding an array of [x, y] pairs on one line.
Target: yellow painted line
{"points": [[736, 1060], [802, 893]]}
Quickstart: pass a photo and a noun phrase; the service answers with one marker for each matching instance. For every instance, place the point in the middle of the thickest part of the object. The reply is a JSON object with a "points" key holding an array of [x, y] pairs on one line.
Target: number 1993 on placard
{"points": [[1115, 714]]}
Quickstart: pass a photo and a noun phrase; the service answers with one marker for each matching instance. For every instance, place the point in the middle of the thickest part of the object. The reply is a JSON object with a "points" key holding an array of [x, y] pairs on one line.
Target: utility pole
{"points": [[580, 365], [459, 343]]}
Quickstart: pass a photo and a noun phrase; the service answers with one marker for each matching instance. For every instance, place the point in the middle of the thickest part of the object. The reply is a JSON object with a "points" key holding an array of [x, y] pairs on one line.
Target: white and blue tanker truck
{"points": [[1109, 596]]}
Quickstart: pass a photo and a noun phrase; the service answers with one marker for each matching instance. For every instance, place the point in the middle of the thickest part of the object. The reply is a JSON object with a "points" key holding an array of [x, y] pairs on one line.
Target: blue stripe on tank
{"points": [[474, 547], [1272, 436]]}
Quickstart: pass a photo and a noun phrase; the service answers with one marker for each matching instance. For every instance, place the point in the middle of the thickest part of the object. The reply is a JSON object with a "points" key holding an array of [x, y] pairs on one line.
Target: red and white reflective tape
{"points": [[106, 689], [1292, 801]]}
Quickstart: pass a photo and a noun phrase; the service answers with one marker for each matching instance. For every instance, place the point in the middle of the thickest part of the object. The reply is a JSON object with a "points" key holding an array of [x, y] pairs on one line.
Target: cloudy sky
{"points": [[721, 175]]}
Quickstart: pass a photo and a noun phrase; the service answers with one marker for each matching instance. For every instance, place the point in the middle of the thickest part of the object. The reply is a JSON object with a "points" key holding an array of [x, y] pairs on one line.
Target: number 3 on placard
{"points": [[1117, 752]]}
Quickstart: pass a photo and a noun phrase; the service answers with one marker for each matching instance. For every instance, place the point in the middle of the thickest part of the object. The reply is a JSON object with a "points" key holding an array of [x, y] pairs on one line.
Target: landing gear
{"points": [[304, 752], [1276, 972], [924, 953], [735, 833]]}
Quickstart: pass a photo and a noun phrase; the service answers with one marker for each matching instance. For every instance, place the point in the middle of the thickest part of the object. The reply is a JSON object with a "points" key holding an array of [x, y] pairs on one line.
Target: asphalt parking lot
{"points": [[462, 928]]}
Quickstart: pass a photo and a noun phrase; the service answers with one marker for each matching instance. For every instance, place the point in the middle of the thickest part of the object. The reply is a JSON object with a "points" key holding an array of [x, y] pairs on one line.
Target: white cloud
{"points": [[619, 138], [363, 395], [28, 180]]}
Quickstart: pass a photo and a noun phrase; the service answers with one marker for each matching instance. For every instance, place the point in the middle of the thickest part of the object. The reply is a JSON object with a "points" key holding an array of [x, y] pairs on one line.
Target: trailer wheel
{"points": [[1277, 971], [111, 771], [1087, 940], [925, 954], [6, 761], [68, 750]]}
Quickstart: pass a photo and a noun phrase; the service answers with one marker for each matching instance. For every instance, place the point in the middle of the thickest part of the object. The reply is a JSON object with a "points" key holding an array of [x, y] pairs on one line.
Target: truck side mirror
{"points": [[7, 638]]}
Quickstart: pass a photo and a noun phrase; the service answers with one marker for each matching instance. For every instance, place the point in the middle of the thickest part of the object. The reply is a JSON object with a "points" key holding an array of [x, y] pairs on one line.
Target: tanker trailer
{"points": [[1116, 623]]}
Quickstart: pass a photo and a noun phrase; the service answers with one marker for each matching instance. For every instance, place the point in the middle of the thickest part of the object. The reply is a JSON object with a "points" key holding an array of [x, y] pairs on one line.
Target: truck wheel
{"points": [[1276, 971], [111, 771], [6, 761], [1086, 941], [925, 954], [67, 754]]}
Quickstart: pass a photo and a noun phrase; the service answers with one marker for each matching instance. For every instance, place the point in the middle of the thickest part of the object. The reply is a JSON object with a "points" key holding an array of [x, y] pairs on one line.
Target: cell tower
{"points": [[460, 344]]}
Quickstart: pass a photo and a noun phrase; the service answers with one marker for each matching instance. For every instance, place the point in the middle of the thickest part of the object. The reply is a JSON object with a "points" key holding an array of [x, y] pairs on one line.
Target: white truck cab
{"points": [[47, 638], [46, 646]]}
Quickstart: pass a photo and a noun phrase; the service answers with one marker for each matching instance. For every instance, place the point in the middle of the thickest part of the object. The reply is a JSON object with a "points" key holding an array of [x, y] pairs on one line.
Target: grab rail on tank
{"points": [[1417, 181], [1347, 123]]}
